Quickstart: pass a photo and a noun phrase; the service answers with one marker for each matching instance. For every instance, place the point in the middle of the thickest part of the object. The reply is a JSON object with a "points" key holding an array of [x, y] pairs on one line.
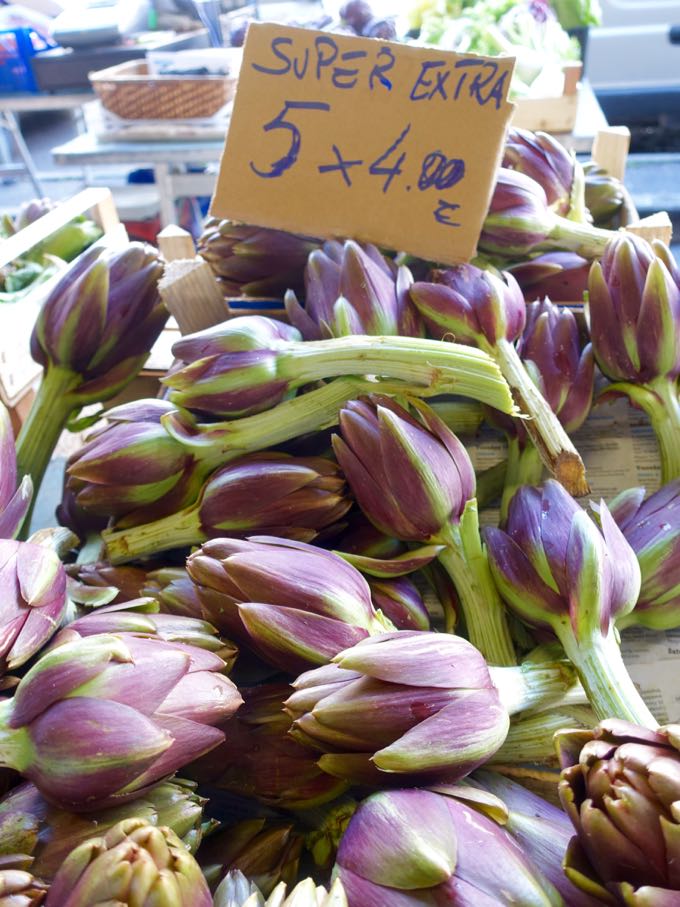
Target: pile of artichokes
{"points": [[276, 654]]}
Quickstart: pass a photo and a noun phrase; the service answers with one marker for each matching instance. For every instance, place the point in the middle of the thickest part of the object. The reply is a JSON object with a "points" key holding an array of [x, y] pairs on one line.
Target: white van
{"points": [[633, 60]]}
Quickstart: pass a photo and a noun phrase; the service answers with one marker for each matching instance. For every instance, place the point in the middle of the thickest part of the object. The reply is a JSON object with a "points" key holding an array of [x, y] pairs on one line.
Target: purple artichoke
{"points": [[472, 305], [254, 261], [350, 289], [411, 848], [410, 705], [400, 601], [189, 631], [561, 276], [132, 462], [295, 605], [488, 310], [541, 157], [33, 600], [231, 367], [652, 529], [634, 307], [237, 335], [136, 711], [520, 221], [541, 829], [133, 863], [260, 759], [92, 336], [14, 501], [551, 350], [557, 570], [433, 502], [620, 788], [269, 493], [380, 439]]}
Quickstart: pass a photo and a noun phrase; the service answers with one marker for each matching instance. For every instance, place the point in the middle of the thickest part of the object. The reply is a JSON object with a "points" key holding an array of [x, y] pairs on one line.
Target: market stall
{"points": [[362, 584]]}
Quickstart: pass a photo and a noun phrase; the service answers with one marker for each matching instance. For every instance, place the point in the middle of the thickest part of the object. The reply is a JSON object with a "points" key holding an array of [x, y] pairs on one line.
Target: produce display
{"points": [[49, 257], [276, 655], [528, 29]]}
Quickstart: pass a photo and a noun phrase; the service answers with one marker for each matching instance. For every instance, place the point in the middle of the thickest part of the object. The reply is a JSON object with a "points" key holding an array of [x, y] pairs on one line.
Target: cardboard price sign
{"points": [[337, 136]]}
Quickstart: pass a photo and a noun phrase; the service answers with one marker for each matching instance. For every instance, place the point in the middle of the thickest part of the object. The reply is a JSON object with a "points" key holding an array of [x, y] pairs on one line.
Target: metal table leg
{"points": [[9, 120]]}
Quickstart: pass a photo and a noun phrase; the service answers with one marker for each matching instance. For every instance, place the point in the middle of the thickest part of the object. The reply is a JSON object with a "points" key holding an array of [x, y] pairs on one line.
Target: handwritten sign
{"points": [[333, 135]]}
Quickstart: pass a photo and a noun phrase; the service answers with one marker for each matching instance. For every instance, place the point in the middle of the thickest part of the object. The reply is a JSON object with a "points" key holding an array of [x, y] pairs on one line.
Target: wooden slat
{"points": [[610, 149], [190, 292], [98, 201], [656, 226], [174, 243]]}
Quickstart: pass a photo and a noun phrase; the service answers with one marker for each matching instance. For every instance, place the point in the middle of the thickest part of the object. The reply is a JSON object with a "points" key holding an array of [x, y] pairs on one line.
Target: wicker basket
{"points": [[132, 94]]}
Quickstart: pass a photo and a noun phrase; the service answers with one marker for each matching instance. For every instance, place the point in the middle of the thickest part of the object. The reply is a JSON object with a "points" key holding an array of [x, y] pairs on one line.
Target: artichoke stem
{"points": [[525, 467], [583, 239], [659, 399], [443, 366], [178, 530], [605, 678], [217, 443], [578, 210], [530, 739], [46, 420], [532, 685], [544, 428], [465, 560]]}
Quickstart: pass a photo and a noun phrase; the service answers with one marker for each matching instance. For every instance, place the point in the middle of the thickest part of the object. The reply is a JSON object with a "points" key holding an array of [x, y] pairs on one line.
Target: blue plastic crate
{"points": [[17, 46]]}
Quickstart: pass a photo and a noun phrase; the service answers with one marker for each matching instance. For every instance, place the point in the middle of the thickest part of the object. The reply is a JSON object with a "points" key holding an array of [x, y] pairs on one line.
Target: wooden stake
{"points": [[610, 149], [572, 74], [656, 226], [190, 292], [174, 243]]}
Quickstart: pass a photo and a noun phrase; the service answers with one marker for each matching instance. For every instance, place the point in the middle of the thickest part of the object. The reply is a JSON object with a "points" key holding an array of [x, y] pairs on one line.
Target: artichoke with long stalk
{"points": [[431, 501], [634, 311], [92, 336], [488, 310], [558, 570]]}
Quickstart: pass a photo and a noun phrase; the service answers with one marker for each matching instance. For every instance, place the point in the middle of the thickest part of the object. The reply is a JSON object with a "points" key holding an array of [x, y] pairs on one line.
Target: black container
{"points": [[581, 35], [67, 68]]}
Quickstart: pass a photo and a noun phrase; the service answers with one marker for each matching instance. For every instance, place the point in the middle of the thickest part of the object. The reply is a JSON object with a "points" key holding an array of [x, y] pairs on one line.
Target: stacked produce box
{"points": [[269, 657]]}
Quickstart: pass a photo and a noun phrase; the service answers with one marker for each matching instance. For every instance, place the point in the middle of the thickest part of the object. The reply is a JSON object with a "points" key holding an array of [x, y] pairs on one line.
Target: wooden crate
{"points": [[557, 114], [18, 372]]}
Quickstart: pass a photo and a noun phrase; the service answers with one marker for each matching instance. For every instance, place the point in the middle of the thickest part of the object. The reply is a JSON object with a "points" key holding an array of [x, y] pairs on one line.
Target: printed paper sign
{"points": [[337, 136]]}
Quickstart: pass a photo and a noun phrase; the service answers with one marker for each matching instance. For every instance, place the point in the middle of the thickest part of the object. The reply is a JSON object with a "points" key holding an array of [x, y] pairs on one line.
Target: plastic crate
{"points": [[17, 47]]}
